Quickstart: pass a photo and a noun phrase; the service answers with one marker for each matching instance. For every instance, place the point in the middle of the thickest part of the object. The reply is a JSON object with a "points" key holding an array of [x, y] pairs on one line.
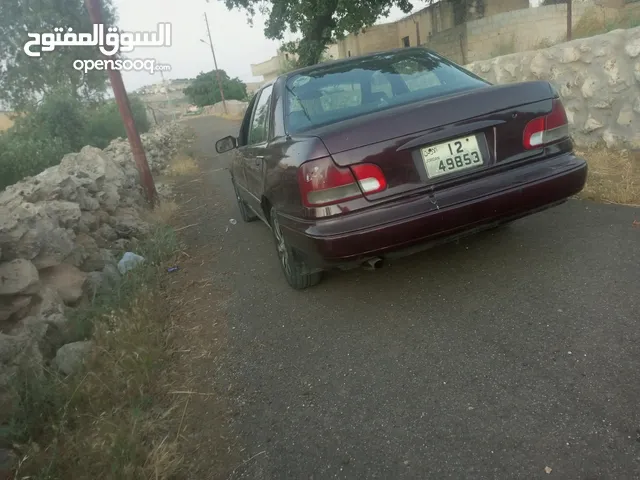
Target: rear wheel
{"points": [[245, 212], [294, 269]]}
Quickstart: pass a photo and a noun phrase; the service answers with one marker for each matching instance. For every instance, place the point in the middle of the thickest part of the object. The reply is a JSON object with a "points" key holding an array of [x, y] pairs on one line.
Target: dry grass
{"points": [[111, 420], [182, 164], [614, 176], [231, 117], [163, 212]]}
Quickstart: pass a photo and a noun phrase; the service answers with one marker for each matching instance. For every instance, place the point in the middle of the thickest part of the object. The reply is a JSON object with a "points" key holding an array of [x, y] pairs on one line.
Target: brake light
{"points": [[322, 182], [548, 129], [370, 177]]}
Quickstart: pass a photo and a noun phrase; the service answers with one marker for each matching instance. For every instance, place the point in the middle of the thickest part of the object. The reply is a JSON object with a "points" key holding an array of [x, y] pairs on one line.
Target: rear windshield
{"points": [[347, 90]]}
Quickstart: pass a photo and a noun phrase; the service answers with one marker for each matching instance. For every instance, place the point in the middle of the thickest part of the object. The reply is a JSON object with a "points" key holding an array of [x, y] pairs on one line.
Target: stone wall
{"points": [[59, 234], [598, 79]]}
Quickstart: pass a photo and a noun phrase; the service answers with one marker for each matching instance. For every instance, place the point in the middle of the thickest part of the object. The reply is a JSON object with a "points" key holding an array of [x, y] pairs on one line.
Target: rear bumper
{"points": [[409, 224]]}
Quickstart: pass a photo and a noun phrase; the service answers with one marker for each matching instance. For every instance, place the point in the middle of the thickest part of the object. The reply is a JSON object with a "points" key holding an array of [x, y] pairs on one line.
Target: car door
{"points": [[239, 157], [256, 150]]}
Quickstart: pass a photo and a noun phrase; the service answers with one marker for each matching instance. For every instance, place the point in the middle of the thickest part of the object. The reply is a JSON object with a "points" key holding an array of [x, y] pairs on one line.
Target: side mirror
{"points": [[225, 144]]}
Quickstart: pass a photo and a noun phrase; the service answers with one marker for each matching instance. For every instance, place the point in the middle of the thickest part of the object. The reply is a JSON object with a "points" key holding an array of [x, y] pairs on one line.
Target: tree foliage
{"points": [[319, 21], [204, 89], [25, 80]]}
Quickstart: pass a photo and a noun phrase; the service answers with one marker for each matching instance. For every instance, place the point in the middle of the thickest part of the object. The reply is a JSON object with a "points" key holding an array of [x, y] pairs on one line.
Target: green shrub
{"points": [[60, 124], [104, 122]]}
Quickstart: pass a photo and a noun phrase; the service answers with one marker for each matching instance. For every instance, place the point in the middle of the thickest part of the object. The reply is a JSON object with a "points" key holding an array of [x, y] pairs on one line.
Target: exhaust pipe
{"points": [[373, 264]]}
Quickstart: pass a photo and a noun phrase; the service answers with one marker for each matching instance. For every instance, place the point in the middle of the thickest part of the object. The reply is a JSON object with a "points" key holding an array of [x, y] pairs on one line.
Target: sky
{"points": [[237, 44]]}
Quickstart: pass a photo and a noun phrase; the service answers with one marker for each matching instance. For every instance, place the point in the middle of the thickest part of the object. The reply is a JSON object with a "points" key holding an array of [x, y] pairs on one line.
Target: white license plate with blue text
{"points": [[452, 156]]}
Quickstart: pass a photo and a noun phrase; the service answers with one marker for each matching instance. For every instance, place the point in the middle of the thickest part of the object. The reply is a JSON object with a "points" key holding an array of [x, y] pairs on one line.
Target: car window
{"points": [[415, 76], [259, 129], [342, 90], [243, 135], [380, 85], [345, 95]]}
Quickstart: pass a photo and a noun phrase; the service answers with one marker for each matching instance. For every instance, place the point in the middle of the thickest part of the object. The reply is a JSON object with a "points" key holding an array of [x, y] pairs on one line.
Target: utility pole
{"points": [[95, 13], [215, 63], [569, 20]]}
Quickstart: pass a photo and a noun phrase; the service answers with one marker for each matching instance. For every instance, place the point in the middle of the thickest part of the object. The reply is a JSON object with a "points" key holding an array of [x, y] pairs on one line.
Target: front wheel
{"points": [[294, 269]]}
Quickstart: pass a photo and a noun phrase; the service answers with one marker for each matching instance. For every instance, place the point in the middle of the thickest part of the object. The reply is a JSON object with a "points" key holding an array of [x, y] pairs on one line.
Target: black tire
{"points": [[245, 212], [294, 269]]}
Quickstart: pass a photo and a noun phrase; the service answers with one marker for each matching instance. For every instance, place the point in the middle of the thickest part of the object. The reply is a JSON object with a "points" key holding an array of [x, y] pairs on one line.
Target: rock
{"points": [[590, 87], [95, 282], [71, 357], [97, 260], [633, 48], [67, 280], [129, 224], [111, 274], [592, 124], [612, 140], [50, 302], [626, 115], [22, 350], [84, 247], [65, 213], [105, 235], [93, 167], [109, 198], [17, 276], [14, 306], [59, 246], [122, 244], [88, 222]]}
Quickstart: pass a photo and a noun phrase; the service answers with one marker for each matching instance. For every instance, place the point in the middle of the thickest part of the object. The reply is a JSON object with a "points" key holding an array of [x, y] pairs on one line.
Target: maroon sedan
{"points": [[358, 160]]}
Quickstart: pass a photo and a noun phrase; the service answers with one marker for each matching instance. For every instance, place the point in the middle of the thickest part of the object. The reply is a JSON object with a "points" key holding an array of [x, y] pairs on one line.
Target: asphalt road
{"points": [[496, 357]]}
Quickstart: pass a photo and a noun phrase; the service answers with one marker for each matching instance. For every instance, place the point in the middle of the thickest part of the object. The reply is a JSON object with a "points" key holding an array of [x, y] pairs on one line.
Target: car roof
{"points": [[359, 58]]}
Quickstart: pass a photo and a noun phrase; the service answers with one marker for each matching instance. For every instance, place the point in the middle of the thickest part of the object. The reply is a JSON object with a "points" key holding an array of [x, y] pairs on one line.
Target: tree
{"points": [[25, 80], [204, 89], [319, 21]]}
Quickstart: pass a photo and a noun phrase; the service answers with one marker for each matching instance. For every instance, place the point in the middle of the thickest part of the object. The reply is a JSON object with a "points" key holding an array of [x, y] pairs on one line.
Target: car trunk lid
{"points": [[489, 121]]}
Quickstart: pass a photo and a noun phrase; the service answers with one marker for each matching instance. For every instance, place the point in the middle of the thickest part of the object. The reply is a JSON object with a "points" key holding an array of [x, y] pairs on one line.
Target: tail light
{"points": [[548, 129], [322, 182]]}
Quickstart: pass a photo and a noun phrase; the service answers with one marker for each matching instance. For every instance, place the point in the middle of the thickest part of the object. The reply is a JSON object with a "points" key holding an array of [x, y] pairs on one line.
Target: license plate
{"points": [[452, 156]]}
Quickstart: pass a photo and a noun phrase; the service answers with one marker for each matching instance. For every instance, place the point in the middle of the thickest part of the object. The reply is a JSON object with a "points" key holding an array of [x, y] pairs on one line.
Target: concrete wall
{"points": [[421, 26], [373, 39], [597, 77], [451, 43]]}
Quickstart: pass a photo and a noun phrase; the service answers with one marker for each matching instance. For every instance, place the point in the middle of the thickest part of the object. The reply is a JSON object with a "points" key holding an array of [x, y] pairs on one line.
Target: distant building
{"points": [[413, 30], [419, 27], [270, 69]]}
